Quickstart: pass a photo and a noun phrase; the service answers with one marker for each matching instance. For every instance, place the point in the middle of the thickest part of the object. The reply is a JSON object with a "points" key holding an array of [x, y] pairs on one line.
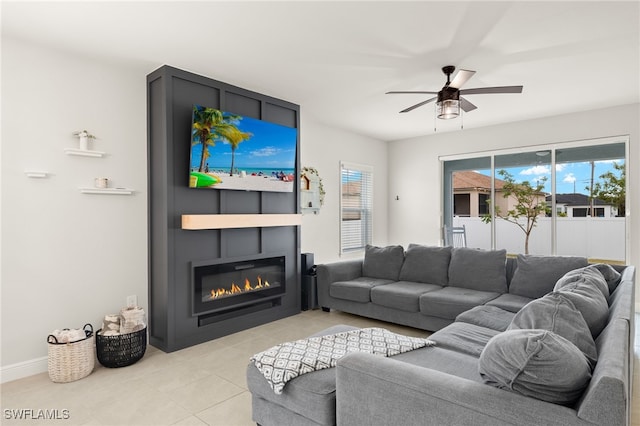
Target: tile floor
{"points": [[201, 385]]}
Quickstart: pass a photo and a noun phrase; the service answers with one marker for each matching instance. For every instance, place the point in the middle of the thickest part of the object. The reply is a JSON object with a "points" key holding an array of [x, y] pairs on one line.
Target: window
{"points": [[564, 199], [356, 204]]}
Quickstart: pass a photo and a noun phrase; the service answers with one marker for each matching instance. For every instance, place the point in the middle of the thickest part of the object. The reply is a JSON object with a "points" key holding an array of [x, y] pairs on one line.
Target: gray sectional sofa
{"points": [[522, 346], [428, 287]]}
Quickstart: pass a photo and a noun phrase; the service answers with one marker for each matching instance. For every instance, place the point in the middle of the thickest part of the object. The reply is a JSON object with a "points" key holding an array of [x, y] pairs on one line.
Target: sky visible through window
{"points": [[570, 177]]}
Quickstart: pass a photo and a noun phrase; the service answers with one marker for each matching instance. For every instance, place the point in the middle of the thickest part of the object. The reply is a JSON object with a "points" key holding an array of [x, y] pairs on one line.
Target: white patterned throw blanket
{"points": [[289, 360]]}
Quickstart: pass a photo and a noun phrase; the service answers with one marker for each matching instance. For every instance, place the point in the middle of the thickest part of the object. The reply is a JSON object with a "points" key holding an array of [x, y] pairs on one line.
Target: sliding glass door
{"points": [[565, 199]]}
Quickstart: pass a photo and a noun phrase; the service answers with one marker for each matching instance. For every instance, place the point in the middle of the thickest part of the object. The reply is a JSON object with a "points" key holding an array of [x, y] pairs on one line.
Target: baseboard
{"points": [[23, 369]]}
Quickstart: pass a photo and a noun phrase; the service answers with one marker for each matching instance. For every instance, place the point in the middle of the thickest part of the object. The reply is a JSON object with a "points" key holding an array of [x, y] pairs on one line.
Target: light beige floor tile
{"points": [[232, 412], [190, 421], [204, 393], [201, 385]]}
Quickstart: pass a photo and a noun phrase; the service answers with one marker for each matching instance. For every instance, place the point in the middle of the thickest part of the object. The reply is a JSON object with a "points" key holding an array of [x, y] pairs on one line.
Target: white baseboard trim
{"points": [[23, 369]]}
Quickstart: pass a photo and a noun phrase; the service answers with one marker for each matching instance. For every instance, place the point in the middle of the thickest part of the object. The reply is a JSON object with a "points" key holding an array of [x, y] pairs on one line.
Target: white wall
{"points": [[415, 168], [68, 258], [323, 148]]}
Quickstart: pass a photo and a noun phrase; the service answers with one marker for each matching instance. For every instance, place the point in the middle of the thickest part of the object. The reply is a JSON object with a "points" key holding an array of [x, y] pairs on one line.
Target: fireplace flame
{"points": [[217, 293]]}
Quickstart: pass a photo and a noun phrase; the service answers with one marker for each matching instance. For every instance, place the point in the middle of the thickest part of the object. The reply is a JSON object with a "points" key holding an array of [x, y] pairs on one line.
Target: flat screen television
{"points": [[230, 151]]}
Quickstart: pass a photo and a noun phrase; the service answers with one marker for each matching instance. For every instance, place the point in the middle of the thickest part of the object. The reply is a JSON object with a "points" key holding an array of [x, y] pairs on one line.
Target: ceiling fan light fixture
{"points": [[448, 109]]}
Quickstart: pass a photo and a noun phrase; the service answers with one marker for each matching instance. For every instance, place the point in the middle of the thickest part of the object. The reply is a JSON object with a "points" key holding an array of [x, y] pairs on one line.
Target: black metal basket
{"points": [[121, 350]]}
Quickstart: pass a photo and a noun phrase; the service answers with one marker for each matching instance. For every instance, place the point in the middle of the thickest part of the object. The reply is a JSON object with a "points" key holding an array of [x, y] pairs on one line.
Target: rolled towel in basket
{"points": [[69, 336], [111, 325], [133, 319]]}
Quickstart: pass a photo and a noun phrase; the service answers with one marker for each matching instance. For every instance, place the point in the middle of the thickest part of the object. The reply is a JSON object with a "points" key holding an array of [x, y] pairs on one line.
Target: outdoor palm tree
{"points": [[235, 137]]}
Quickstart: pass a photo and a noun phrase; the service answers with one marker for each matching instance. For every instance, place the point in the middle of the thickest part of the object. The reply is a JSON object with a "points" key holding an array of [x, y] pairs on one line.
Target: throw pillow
{"points": [[535, 363], [383, 262], [588, 276], [426, 264], [591, 304], [483, 270], [555, 312], [611, 276], [535, 276]]}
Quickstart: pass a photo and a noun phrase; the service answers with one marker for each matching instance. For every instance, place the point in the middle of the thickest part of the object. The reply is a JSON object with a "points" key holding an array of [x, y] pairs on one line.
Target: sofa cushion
{"points": [[535, 363], [588, 276], [426, 264], [487, 316], [313, 394], [402, 295], [357, 290], [535, 276], [463, 337], [483, 270], [591, 304], [611, 276], [449, 302], [383, 262], [510, 302], [556, 312]]}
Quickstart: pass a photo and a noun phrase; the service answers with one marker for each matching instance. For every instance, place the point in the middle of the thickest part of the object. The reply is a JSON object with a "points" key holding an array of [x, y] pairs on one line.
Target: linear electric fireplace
{"points": [[226, 285]]}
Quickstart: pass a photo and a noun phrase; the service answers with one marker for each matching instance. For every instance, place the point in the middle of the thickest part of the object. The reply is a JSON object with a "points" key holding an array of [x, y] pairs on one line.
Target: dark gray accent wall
{"points": [[171, 94]]}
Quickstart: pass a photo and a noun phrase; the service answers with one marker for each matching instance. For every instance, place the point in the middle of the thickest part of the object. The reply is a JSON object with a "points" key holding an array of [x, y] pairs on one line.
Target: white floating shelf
{"points": [[36, 174], [226, 221], [84, 152], [107, 191]]}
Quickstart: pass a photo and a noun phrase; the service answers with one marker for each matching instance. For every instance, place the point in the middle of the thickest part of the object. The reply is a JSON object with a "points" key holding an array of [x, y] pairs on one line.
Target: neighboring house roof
{"points": [[577, 200], [470, 180]]}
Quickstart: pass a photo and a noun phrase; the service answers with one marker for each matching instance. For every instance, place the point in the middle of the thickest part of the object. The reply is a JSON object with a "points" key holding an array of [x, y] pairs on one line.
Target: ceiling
{"points": [[337, 59]]}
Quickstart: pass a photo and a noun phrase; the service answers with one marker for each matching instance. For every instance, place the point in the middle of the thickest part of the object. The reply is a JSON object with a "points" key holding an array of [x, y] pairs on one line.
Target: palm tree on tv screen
{"points": [[235, 137], [209, 125]]}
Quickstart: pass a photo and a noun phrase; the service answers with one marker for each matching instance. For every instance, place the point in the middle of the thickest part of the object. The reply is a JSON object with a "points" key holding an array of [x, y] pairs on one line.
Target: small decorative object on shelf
{"points": [[84, 137], [311, 190], [101, 182]]}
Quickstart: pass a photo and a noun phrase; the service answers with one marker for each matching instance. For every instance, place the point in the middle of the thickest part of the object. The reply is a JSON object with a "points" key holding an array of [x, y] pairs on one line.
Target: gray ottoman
{"points": [[306, 400]]}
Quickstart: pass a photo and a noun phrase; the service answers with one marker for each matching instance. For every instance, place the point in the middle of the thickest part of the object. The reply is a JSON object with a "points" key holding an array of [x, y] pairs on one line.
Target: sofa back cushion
{"points": [[591, 304], [535, 276], [588, 276], [556, 312], [535, 363], [383, 262], [426, 264], [611, 276], [476, 269]]}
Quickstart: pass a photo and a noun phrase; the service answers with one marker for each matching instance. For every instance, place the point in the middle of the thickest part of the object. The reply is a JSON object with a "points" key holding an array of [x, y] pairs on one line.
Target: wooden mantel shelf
{"points": [[226, 221]]}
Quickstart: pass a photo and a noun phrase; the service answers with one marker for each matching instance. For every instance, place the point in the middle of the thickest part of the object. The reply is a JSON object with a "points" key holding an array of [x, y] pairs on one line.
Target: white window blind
{"points": [[356, 205]]}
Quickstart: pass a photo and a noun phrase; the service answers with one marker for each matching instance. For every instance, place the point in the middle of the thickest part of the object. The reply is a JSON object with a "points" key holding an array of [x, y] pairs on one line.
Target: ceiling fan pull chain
{"points": [[435, 113], [462, 119]]}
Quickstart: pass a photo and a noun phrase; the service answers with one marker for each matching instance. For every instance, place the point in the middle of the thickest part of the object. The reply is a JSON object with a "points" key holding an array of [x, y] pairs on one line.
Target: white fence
{"points": [[595, 238]]}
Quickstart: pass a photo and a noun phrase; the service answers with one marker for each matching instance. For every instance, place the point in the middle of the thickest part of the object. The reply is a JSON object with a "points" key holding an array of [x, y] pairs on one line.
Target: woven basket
{"points": [[68, 362], [121, 350]]}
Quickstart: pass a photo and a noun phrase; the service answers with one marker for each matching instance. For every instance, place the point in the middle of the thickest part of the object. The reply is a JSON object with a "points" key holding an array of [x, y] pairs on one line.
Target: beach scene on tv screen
{"points": [[230, 151]]}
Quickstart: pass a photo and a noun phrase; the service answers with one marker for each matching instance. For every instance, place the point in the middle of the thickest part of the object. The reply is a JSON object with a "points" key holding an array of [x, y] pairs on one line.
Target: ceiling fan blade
{"points": [[411, 108], [410, 92], [502, 89], [461, 78], [466, 105]]}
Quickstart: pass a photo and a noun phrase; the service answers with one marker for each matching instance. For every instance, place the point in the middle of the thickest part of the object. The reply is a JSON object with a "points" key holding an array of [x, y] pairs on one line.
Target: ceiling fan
{"points": [[449, 99]]}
